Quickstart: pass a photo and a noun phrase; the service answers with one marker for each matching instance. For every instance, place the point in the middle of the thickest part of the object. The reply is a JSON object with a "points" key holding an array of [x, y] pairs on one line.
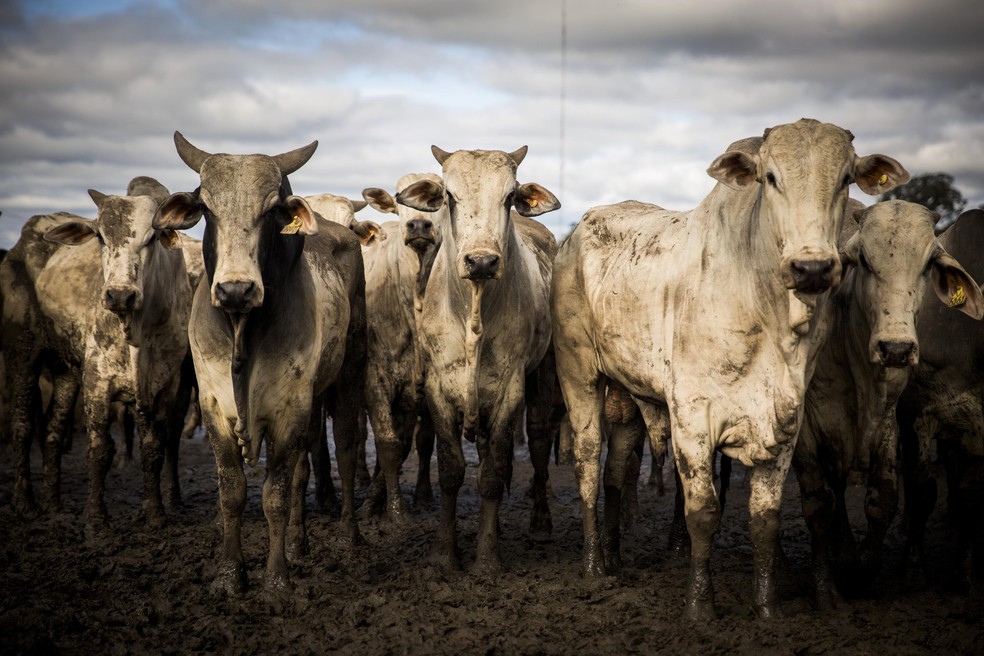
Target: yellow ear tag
{"points": [[958, 298], [882, 180], [533, 202], [292, 227], [372, 233]]}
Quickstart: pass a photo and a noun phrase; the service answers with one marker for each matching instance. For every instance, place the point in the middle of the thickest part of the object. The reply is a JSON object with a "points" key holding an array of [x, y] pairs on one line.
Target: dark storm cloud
{"points": [[653, 92]]}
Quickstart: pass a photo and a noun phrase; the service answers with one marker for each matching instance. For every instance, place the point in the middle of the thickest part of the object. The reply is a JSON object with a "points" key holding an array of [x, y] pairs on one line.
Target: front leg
{"points": [[881, 501], [819, 507], [450, 476], [694, 461], [282, 453], [765, 498]]}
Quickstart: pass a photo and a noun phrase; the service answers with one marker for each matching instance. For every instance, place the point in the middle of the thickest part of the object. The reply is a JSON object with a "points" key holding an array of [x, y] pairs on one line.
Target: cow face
{"points": [[421, 230], [479, 189], [804, 170], [252, 222], [895, 255], [127, 239]]}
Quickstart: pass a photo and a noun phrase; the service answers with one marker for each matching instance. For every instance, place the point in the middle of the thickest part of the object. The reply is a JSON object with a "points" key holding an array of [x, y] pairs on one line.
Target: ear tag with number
{"points": [[292, 227]]}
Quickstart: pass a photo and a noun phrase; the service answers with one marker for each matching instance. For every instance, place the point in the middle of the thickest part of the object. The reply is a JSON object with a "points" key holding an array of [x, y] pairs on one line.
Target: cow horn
{"points": [[190, 155], [291, 161], [440, 155], [519, 155]]}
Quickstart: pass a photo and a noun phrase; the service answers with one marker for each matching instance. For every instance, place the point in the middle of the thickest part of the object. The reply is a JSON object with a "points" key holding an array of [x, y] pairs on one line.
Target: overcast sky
{"points": [[637, 105]]}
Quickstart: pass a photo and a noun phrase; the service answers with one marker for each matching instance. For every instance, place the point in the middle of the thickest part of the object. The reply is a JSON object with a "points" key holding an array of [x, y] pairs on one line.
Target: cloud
{"points": [[651, 92]]}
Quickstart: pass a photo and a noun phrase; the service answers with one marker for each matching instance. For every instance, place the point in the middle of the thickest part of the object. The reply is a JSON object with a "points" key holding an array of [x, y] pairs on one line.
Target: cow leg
{"points": [[678, 540], [819, 508], [724, 479], [880, 505], [153, 435], [389, 425], [423, 437], [362, 477], [100, 457], [541, 426], [231, 571], [656, 463], [282, 456], [764, 502], [25, 403], [297, 544], [324, 487], [65, 391], [624, 438], [966, 501], [450, 476], [124, 418], [695, 465], [348, 420], [179, 402], [920, 490], [494, 472]]}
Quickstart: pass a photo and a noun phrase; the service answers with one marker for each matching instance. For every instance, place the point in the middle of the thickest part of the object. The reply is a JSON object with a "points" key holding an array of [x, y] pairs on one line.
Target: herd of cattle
{"points": [[779, 322]]}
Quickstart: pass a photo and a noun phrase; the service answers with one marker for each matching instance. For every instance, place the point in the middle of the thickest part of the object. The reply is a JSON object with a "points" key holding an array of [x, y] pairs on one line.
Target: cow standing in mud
{"points": [[116, 307], [396, 274], [849, 421], [485, 328], [278, 329], [709, 319]]}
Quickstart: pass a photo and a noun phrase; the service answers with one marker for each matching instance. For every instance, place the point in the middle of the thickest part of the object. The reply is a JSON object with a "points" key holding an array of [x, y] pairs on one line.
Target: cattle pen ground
{"points": [[139, 591]]}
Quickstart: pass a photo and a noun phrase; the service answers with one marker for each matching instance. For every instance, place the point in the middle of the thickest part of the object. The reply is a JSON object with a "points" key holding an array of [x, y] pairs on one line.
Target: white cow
{"points": [[396, 271], [710, 317], [119, 302], [485, 327]]}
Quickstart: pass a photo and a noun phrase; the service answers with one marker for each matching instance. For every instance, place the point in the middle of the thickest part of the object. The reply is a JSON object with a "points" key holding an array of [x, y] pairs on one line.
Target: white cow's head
{"points": [[421, 230], [804, 170], [127, 239], [479, 189], [341, 210], [894, 254], [253, 224]]}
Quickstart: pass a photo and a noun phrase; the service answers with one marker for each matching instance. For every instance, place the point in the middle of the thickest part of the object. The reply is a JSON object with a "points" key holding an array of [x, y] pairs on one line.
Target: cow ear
{"points": [[876, 174], [303, 220], [368, 232], [954, 286], [531, 199], [380, 200], [735, 169], [72, 233], [179, 212], [423, 195]]}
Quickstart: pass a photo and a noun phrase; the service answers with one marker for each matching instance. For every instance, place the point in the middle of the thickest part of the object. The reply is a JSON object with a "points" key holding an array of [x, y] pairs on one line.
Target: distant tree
{"points": [[932, 190]]}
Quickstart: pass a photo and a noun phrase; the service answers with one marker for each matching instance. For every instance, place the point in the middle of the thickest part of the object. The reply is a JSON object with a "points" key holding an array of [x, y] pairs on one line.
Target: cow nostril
{"points": [[481, 267], [895, 353], [812, 276], [120, 300], [235, 295]]}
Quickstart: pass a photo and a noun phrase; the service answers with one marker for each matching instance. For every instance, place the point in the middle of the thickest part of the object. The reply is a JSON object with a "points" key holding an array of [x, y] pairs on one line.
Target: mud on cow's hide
{"points": [[739, 280]]}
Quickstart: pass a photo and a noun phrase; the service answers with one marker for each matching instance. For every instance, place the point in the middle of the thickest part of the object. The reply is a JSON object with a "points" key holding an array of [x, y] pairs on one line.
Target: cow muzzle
{"points": [[121, 300], [811, 275], [237, 295], [420, 234], [896, 353], [482, 265]]}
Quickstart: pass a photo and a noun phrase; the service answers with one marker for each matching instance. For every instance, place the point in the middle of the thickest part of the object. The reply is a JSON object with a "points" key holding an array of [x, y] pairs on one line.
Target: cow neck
{"points": [[467, 299], [279, 257]]}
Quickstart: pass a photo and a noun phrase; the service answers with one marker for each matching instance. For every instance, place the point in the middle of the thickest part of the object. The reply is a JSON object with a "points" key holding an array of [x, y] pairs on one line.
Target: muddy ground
{"points": [[140, 591]]}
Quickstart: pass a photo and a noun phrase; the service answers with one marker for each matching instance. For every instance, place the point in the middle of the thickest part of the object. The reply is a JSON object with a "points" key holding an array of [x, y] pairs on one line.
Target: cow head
{"points": [[253, 224], [479, 190], [803, 171], [421, 229], [341, 210], [894, 254], [127, 241]]}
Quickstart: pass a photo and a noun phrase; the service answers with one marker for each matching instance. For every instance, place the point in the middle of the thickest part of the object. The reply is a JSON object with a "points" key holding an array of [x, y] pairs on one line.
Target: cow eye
{"points": [[509, 200], [846, 181], [771, 179], [452, 203], [863, 261]]}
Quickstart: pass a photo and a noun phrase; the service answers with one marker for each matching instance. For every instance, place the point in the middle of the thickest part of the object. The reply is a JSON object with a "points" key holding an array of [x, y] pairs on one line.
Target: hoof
{"points": [[153, 514], [296, 548], [398, 512], [769, 612], [96, 524], [699, 611], [423, 495], [487, 566], [541, 523], [593, 566], [24, 504], [828, 601], [444, 560], [230, 579]]}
